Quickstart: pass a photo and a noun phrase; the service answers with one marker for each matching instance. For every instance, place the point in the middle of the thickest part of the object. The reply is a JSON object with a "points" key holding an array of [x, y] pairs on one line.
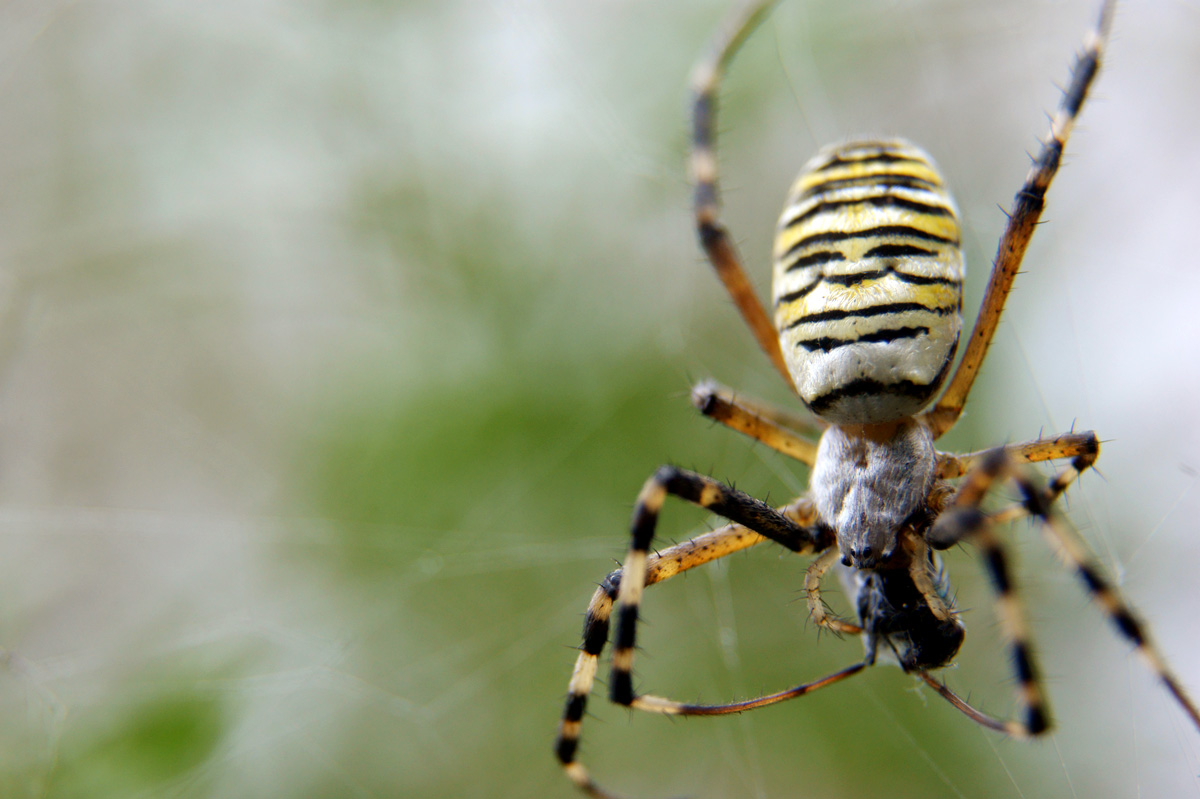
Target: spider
{"points": [[867, 295]]}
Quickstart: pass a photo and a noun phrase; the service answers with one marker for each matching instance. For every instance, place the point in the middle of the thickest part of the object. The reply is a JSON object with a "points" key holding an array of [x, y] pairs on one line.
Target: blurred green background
{"points": [[338, 337]]}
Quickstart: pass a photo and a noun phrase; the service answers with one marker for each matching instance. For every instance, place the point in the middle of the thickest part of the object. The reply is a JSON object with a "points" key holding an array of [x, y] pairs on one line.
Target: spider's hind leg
{"points": [[706, 80], [1022, 221], [1076, 555]]}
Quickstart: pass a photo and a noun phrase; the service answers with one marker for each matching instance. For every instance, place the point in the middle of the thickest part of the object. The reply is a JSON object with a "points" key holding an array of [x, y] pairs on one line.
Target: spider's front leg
{"points": [[734, 505], [793, 526], [964, 520], [659, 567]]}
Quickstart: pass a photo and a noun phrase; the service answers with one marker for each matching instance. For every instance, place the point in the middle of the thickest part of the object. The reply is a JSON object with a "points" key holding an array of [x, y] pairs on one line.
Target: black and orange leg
{"points": [[1022, 220], [1082, 448], [659, 566], [963, 520], [707, 493], [783, 432], [1077, 556], [706, 81]]}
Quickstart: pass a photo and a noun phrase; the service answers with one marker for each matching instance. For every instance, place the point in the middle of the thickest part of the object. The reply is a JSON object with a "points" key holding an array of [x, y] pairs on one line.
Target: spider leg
{"points": [[963, 520], [659, 566], [1075, 554], [1083, 448], [978, 716], [922, 571], [658, 704], [804, 538], [707, 493], [1050, 492], [771, 426], [812, 590], [1022, 219], [706, 79]]}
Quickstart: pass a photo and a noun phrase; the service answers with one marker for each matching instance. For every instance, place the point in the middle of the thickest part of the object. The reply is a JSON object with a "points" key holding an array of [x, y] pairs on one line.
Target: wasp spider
{"points": [[867, 295]]}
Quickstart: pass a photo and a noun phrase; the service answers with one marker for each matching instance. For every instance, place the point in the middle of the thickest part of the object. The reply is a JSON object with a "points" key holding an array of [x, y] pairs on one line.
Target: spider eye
{"points": [[866, 548]]}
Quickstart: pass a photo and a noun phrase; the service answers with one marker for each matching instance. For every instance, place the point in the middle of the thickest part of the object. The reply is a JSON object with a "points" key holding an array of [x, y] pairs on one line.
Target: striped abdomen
{"points": [[868, 281]]}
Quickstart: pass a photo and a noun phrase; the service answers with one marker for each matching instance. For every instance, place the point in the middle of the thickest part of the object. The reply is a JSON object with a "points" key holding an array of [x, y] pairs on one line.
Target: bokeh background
{"points": [[336, 339]]}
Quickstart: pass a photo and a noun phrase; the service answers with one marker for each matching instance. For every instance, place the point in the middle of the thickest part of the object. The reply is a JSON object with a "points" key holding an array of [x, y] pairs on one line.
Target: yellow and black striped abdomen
{"points": [[868, 281]]}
